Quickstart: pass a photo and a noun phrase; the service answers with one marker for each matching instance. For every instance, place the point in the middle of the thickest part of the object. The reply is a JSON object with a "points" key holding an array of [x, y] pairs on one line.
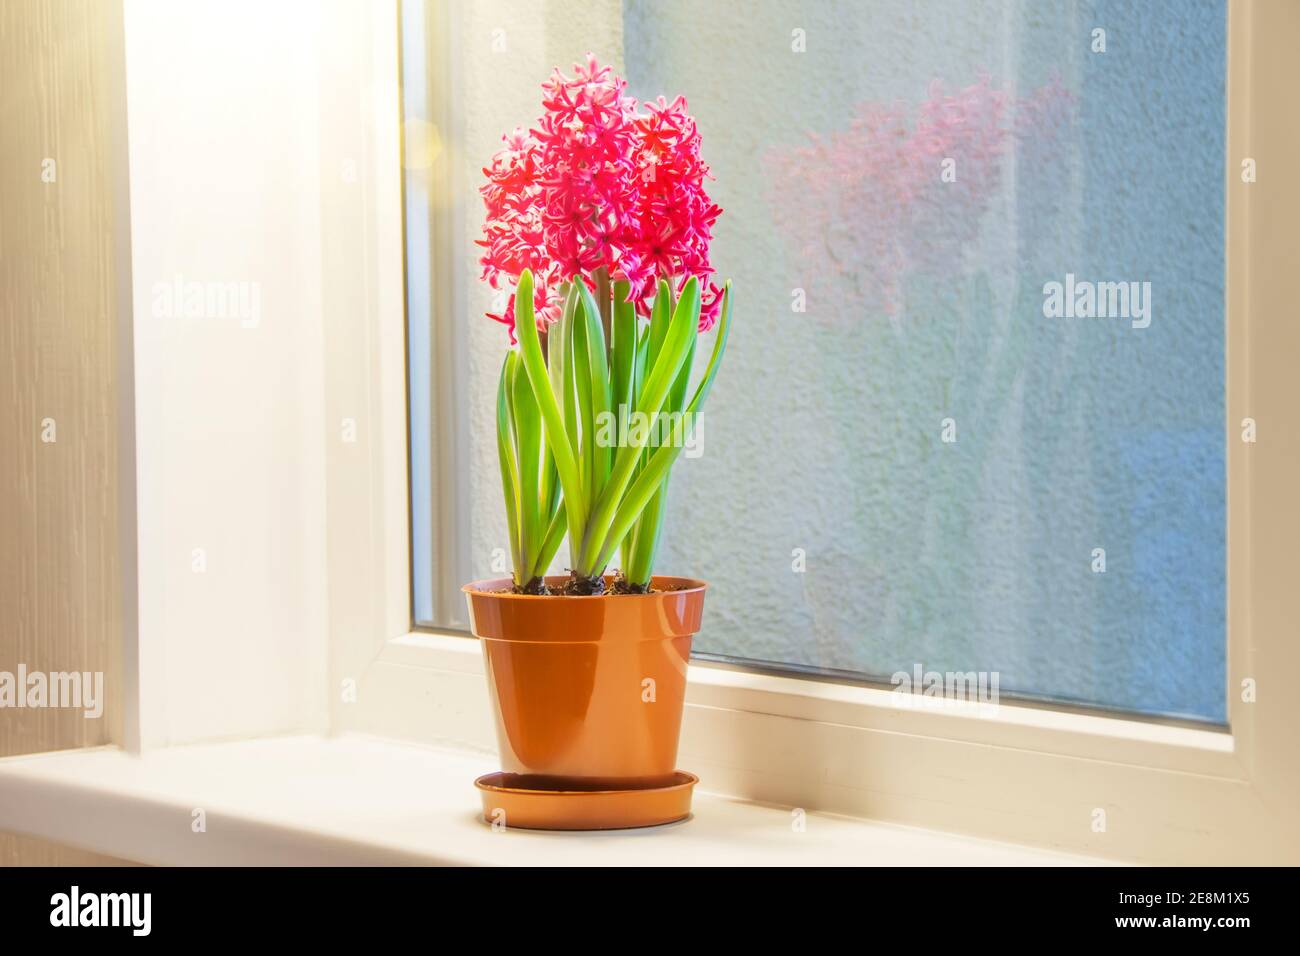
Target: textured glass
{"points": [[919, 453]]}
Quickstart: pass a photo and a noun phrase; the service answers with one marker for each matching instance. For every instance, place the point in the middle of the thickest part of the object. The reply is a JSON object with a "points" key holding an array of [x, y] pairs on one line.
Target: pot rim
{"points": [[493, 588]]}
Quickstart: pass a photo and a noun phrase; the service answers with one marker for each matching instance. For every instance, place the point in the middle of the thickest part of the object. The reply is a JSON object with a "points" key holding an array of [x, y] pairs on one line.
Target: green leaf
{"points": [[638, 379], [555, 359], [557, 438], [660, 314], [645, 537], [647, 530], [682, 328], [601, 276], [570, 387], [677, 394], [506, 455], [528, 453], [622, 349], [599, 392], [638, 370], [586, 424], [655, 472], [550, 545], [569, 402]]}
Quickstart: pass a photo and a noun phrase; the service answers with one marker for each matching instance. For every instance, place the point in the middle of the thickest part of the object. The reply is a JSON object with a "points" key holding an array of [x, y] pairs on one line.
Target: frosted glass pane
{"points": [[912, 456]]}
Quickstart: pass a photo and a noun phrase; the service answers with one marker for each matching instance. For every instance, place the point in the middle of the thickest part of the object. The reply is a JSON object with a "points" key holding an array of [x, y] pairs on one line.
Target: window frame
{"points": [[1115, 786]]}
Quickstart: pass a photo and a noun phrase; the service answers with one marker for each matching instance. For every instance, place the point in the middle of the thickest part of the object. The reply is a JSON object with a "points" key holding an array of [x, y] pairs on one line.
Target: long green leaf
{"points": [[638, 370], [528, 452], [555, 357], [660, 318], [656, 469], [645, 535], [556, 437], [586, 424], [622, 349], [599, 392], [638, 375], [648, 528], [551, 544], [660, 315], [682, 328], [603, 297], [568, 402], [509, 472], [672, 353]]}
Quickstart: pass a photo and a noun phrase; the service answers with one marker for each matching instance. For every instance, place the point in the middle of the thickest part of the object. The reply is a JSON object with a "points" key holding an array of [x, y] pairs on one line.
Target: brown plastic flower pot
{"points": [[588, 691]]}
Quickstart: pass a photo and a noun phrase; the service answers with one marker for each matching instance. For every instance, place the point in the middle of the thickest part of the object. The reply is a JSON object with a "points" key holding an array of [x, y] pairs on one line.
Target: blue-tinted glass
{"points": [[971, 416], [1077, 157]]}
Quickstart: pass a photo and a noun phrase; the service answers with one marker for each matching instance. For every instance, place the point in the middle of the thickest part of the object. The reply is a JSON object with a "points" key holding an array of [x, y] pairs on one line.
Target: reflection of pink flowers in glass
{"points": [[599, 185], [870, 200]]}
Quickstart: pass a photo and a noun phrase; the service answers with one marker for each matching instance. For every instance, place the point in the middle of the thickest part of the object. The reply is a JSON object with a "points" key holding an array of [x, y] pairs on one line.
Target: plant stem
{"points": [[603, 300]]}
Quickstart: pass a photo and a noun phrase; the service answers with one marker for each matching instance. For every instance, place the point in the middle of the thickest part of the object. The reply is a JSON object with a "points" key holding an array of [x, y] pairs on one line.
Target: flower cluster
{"points": [[598, 185]]}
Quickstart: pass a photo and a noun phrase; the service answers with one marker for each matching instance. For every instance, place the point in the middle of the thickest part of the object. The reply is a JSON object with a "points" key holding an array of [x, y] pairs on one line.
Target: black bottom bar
{"points": [[211, 905]]}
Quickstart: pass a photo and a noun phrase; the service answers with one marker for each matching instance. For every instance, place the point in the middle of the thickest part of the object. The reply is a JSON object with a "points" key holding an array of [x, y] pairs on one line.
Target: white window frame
{"points": [[1107, 785]]}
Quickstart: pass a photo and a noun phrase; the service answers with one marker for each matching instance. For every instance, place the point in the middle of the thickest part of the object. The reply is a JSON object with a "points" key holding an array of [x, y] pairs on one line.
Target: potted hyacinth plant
{"points": [[598, 225]]}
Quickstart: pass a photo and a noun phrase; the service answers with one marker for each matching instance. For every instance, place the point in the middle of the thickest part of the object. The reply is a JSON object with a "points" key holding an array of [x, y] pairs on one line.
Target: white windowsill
{"points": [[1016, 774], [1013, 723], [356, 799]]}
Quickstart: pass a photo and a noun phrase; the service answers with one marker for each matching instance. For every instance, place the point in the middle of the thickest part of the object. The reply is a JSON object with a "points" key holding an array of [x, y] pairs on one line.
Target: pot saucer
{"points": [[512, 805]]}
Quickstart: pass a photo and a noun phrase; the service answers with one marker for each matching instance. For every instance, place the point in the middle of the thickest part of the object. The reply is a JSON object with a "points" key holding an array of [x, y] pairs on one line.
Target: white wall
{"points": [[234, 122]]}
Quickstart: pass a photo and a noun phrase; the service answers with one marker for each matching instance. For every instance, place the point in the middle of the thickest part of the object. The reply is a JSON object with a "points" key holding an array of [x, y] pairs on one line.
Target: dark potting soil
{"points": [[575, 586]]}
